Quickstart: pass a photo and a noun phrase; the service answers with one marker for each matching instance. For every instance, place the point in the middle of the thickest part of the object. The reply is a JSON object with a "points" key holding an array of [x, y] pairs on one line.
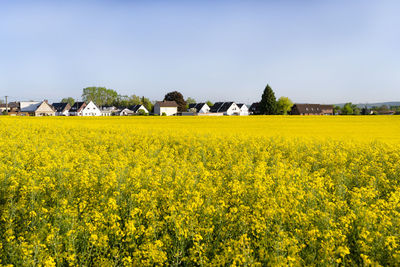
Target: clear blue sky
{"points": [[311, 51]]}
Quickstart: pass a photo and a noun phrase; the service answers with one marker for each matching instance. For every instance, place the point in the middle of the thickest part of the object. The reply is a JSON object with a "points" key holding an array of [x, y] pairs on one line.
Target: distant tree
{"points": [[178, 98], [146, 103], [365, 111], [122, 101], [209, 103], [347, 109], [68, 100], [383, 108], [190, 100], [101, 96], [283, 105], [268, 102], [337, 110], [135, 100], [1, 101]]}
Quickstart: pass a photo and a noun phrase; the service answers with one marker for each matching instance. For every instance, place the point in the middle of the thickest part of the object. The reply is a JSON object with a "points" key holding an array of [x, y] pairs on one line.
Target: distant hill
{"points": [[370, 105]]}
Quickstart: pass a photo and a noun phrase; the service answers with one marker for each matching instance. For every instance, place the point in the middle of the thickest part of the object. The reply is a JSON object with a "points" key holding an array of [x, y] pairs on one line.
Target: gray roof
{"points": [[311, 108], [221, 106], [29, 106], [135, 108], [77, 106], [166, 104], [197, 106], [60, 107]]}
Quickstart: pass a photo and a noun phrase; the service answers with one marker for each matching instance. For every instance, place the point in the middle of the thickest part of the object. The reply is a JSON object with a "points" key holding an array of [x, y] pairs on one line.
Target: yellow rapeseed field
{"points": [[261, 190]]}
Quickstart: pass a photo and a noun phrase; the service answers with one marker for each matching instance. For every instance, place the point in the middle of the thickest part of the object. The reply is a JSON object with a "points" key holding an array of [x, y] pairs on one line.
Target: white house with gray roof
{"points": [[169, 108]]}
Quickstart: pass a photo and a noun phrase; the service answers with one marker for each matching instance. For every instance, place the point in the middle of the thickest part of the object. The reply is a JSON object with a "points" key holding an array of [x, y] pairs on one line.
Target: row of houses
{"points": [[231, 108], [44, 108], [300, 109], [219, 109], [168, 108]]}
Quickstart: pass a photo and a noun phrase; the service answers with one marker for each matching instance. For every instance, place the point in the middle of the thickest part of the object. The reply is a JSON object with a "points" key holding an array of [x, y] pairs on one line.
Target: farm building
{"points": [[244, 110], [311, 109], [168, 108], [255, 109], [109, 111], [227, 108], [136, 109], [10, 107], [126, 112], [91, 110], [62, 109], [33, 108], [76, 109], [199, 107]]}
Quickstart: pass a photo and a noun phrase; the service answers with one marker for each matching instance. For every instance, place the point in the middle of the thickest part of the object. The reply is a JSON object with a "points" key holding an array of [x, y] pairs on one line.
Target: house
{"points": [[327, 110], [62, 109], [199, 107], [311, 109], [244, 110], [109, 111], [227, 108], [255, 109], [386, 112], [76, 109], [91, 110], [136, 109], [168, 108], [126, 112], [12, 106], [32, 108]]}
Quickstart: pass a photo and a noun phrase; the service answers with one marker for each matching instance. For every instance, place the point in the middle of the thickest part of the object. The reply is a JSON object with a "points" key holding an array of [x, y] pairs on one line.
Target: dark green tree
{"points": [[178, 98], [268, 102], [365, 111]]}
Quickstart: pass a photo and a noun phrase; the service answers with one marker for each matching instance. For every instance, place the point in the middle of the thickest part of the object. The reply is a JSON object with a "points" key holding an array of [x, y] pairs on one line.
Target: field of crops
{"points": [[275, 190]]}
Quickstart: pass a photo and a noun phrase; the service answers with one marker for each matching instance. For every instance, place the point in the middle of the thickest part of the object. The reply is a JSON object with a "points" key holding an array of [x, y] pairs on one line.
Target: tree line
{"points": [[103, 96], [352, 109]]}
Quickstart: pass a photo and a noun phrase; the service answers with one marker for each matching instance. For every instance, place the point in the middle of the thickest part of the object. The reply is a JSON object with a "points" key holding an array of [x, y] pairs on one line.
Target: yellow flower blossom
{"points": [[146, 191]]}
